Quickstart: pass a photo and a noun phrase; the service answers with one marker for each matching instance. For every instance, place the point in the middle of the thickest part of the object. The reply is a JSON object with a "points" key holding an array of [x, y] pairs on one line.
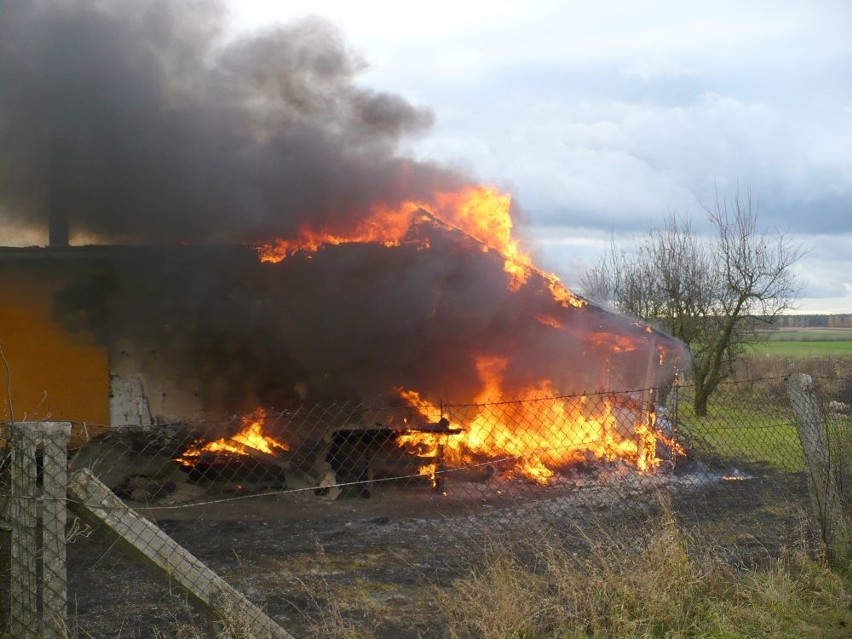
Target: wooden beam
{"points": [[91, 500]]}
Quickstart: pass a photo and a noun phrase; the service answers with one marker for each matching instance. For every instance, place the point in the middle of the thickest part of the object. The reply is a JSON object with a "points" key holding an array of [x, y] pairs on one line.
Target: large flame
{"points": [[537, 432], [249, 438], [481, 212]]}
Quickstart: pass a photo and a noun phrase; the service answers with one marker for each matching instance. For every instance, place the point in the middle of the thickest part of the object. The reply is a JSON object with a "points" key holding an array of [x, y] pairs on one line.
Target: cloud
{"points": [[608, 114], [616, 160], [656, 67], [662, 101], [826, 268]]}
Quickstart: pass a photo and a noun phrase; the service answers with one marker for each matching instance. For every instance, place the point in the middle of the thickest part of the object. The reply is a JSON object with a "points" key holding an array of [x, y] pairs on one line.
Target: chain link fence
{"points": [[253, 520], [34, 499]]}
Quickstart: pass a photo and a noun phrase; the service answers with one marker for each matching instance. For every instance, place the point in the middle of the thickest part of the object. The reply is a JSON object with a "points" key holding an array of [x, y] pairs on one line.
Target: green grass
{"points": [[813, 342], [801, 348], [811, 335], [740, 428]]}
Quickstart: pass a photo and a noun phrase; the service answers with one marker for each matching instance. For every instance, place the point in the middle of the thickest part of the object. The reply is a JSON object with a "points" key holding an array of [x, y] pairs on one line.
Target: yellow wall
{"points": [[54, 374]]}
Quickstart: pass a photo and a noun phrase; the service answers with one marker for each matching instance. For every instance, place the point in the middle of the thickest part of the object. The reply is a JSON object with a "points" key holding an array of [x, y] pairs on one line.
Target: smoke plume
{"points": [[143, 123], [137, 122]]}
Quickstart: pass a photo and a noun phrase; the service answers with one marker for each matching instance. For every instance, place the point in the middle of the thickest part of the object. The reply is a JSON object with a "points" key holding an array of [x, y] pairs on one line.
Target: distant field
{"points": [[803, 349], [811, 335], [812, 342]]}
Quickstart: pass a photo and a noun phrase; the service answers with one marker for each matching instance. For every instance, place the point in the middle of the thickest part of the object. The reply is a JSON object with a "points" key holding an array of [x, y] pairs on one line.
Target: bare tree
{"points": [[712, 293]]}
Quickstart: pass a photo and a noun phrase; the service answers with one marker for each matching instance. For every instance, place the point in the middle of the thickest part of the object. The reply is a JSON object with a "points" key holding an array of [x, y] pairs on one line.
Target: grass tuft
{"points": [[502, 599], [663, 582]]}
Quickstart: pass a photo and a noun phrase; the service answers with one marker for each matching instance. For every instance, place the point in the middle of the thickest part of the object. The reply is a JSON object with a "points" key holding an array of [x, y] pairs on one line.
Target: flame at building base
{"points": [[250, 438], [538, 433]]}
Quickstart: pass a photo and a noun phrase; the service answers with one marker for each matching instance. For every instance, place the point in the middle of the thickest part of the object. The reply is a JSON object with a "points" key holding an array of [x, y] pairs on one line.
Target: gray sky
{"points": [[601, 117]]}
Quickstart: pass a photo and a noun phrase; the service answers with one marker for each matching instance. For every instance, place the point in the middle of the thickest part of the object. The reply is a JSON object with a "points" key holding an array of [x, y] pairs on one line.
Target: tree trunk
{"points": [[702, 390], [699, 404]]}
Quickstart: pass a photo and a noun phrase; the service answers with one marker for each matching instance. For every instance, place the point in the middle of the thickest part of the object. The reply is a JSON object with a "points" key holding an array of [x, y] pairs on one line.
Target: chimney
{"points": [[57, 194]]}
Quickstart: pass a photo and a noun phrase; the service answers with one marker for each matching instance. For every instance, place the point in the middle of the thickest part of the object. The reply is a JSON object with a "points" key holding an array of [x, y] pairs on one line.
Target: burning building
{"points": [[427, 315], [248, 237]]}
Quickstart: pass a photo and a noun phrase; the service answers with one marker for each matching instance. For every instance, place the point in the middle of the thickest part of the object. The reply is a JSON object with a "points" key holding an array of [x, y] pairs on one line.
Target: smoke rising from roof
{"points": [[144, 124]]}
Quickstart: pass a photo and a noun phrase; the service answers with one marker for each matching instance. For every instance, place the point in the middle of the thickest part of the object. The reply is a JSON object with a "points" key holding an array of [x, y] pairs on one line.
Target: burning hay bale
{"points": [[248, 455]]}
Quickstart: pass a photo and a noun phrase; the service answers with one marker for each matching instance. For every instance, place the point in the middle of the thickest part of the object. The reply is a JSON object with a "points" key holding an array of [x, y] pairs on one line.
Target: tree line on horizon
{"points": [[815, 320]]}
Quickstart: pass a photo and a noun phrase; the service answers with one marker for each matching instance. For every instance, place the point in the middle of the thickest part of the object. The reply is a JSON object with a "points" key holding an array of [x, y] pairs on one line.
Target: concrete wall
{"points": [[145, 385]]}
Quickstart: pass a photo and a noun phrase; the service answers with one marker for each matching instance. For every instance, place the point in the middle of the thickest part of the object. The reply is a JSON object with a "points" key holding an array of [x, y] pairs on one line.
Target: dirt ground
{"points": [[377, 563]]}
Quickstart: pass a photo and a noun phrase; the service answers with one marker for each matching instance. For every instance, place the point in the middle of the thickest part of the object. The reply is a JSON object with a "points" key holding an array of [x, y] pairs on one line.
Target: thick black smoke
{"points": [[136, 121], [140, 122]]}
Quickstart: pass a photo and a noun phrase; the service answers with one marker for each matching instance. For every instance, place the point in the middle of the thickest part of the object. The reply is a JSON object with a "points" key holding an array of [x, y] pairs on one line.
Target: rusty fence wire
{"points": [[228, 512]]}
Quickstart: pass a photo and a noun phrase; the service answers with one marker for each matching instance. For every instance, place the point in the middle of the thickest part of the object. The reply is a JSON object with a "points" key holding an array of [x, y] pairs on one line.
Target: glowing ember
{"points": [[540, 432], [480, 212], [249, 438]]}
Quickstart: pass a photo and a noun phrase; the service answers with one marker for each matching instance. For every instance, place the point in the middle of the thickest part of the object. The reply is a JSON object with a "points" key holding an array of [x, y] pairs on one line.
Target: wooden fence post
{"points": [[24, 619], [55, 437], [23, 610], [822, 478], [95, 503]]}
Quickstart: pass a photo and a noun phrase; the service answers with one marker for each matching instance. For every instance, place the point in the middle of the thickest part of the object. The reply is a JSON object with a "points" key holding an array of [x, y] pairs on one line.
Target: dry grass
{"points": [[663, 582], [339, 613], [503, 599], [656, 580], [234, 624], [764, 374]]}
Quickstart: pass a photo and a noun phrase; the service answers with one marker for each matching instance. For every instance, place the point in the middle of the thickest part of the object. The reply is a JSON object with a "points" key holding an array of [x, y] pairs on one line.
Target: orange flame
{"points": [[383, 226], [614, 342], [538, 432], [549, 320], [479, 212], [251, 436]]}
